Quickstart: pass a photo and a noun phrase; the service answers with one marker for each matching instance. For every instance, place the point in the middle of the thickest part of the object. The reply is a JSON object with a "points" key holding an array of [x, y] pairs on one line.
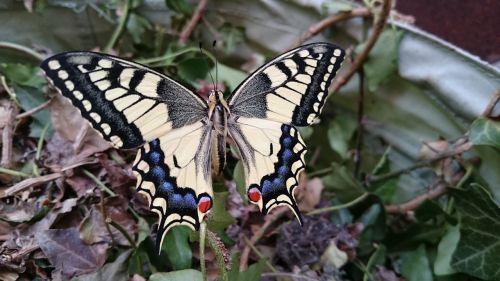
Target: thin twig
{"points": [[360, 129], [189, 27], [33, 110], [295, 276], [27, 183], [270, 219], [329, 21], [491, 105], [22, 49], [358, 61], [339, 207], [7, 134], [439, 189], [378, 178], [11, 94], [119, 28], [260, 255]]}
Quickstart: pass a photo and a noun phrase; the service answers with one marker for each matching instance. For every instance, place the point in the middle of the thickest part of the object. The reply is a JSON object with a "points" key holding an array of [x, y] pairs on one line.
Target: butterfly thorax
{"points": [[218, 112]]}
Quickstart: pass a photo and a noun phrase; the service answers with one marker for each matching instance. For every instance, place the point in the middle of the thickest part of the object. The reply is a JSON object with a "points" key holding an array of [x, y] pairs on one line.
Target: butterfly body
{"points": [[182, 138]]}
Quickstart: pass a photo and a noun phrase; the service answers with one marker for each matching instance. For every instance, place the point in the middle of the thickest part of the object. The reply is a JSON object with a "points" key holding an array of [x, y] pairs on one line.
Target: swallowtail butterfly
{"points": [[182, 138]]}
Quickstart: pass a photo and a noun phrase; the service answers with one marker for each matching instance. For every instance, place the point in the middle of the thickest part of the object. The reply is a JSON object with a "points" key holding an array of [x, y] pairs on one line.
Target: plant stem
{"points": [[220, 254], [119, 28], [260, 255], [122, 231], [338, 207], [14, 173], [203, 232], [23, 49], [40, 141], [99, 183]]}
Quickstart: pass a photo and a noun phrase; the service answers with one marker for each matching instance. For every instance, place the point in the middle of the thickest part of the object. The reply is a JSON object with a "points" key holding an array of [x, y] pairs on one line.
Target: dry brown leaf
{"points": [[67, 252], [310, 195]]}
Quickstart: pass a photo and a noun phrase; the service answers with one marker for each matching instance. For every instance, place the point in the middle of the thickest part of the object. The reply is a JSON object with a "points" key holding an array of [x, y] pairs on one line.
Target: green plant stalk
{"points": [[173, 55], [338, 207], [122, 231], [259, 254], [23, 49], [14, 173], [11, 94], [40, 141], [119, 29], [99, 183], [219, 255], [203, 232], [367, 275]]}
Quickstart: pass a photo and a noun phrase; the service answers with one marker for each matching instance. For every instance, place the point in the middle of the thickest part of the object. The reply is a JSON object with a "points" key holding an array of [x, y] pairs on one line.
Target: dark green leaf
{"points": [[477, 251], [29, 98], [448, 244], [231, 76], [23, 74], [180, 275], [232, 35], [377, 258], [180, 6], [239, 178], [340, 133], [136, 26], [342, 182], [219, 217], [373, 220], [193, 69], [176, 246], [253, 273], [415, 265], [383, 58], [485, 132]]}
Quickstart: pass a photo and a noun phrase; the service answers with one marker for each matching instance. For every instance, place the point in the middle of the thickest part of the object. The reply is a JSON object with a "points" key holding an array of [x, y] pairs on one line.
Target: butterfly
{"points": [[182, 137]]}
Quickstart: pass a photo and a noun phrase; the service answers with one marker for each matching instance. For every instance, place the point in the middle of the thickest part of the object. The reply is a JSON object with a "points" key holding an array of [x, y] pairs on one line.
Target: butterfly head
{"points": [[216, 102]]}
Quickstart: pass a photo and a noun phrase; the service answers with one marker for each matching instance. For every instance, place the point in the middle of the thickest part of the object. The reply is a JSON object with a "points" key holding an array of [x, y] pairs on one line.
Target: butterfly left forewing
{"points": [[291, 88], [273, 157], [173, 172]]}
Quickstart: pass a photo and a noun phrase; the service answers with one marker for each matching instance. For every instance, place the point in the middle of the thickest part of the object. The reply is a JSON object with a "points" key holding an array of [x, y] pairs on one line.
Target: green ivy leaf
{"points": [[415, 265], [29, 98], [219, 217], [382, 61], [177, 248], [342, 182], [239, 179], [136, 26], [485, 131], [253, 273], [180, 6], [193, 69], [477, 251], [340, 133], [448, 244], [180, 275], [23, 74]]}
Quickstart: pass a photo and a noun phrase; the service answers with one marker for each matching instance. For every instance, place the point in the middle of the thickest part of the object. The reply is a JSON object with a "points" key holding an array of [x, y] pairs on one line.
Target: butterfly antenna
{"points": [[216, 68], [213, 81]]}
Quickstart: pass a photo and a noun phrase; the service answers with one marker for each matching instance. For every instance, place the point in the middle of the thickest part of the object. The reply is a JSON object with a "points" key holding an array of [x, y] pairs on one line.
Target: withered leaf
{"points": [[69, 254]]}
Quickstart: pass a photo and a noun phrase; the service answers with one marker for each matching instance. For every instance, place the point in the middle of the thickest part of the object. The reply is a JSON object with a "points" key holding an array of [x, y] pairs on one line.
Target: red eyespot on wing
{"points": [[254, 194], [205, 204]]}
